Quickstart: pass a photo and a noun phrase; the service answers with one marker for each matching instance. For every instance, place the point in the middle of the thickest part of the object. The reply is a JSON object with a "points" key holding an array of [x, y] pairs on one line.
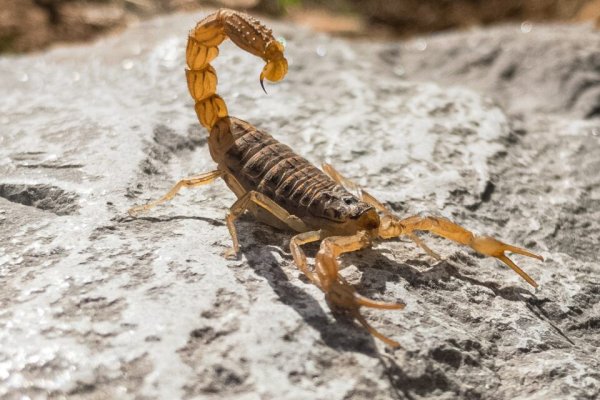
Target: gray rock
{"points": [[95, 304], [529, 69]]}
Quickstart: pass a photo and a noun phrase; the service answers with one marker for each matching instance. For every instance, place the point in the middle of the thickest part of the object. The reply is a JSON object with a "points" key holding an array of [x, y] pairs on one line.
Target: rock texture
{"points": [[410, 16], [496, 129]]}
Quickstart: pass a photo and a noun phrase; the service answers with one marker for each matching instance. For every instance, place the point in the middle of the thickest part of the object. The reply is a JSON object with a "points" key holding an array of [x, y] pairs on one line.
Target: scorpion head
{"points": [[276, 66], [344, 207]]}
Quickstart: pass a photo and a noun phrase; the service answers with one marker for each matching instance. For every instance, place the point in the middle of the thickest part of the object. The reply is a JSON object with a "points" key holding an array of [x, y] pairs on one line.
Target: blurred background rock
{"points": [[27, 25]]}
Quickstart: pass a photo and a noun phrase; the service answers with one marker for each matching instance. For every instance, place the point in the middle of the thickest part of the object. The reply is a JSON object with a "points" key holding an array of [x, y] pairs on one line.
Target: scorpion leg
{"points": [[354, 188], [265, 203], [369, 199], [300, 257], [488, 246], [197, 180], [340, 293]]}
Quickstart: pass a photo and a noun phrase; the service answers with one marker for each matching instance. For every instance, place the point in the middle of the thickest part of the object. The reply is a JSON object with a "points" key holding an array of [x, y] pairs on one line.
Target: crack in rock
{"points": [[42, 196]]}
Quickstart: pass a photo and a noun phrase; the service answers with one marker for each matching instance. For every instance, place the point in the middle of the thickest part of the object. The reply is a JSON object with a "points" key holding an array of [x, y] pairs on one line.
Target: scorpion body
{"points": [[260, 163], [285, 190]]}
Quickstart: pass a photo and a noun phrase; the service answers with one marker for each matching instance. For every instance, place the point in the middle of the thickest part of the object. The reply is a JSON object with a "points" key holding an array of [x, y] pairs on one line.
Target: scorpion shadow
{"points": [[342, 334], [377, 269]]}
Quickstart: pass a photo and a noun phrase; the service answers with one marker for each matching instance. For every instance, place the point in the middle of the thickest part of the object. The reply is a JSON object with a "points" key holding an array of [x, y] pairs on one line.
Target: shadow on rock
{"points": [[343, 334], [404, 385], [372, 281]]}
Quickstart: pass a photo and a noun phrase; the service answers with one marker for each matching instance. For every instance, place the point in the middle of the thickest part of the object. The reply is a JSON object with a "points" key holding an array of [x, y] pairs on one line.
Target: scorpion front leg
{"points": [[338, 292]]}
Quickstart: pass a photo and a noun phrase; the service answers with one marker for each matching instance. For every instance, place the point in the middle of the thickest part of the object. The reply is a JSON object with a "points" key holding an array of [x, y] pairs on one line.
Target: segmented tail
{"points": [[202, 48]]}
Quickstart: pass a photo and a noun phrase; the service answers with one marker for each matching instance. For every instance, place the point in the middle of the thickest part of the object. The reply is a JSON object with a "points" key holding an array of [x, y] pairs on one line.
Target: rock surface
{"points": [[411, 16], [95, 304]]}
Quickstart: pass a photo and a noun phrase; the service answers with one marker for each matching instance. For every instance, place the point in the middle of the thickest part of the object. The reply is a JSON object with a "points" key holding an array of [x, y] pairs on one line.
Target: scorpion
{"points": [[284, 190]]}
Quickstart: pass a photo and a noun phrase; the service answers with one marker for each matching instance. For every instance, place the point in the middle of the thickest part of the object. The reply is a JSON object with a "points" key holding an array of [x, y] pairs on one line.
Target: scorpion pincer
{"points": [[284, 190]]}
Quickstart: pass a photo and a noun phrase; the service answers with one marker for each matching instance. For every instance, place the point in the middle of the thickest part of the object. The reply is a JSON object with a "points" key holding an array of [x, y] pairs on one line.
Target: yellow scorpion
{"points": [[284, 190]]}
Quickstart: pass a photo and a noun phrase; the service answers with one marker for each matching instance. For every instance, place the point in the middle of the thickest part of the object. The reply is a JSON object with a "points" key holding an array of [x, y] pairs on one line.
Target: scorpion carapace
{"points": [[284, 190]]}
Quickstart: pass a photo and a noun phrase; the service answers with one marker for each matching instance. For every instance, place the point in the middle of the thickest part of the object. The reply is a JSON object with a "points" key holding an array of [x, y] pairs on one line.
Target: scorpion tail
{"points": [[202, 47]]}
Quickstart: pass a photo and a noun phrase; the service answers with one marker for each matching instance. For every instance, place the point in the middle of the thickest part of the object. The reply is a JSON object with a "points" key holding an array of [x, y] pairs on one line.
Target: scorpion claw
{"points": [[366, 302], [392, 343], [518, 270], [518, 250], [495, 248], [344, 297]]}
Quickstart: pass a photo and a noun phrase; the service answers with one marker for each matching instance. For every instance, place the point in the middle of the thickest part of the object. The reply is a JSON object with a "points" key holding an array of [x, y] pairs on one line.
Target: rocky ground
{"points": [[498, 129]]}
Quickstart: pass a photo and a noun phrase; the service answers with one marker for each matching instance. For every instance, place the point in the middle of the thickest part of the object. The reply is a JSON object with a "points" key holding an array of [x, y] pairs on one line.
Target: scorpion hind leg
{"points": [[193, 181]]}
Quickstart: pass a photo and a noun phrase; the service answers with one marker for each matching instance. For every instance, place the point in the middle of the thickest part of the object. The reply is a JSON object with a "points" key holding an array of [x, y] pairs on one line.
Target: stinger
{"points": [[248, 34]]}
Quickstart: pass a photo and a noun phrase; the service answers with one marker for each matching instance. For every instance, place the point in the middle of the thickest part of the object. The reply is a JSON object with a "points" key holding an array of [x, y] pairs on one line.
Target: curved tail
{"points": [[202, 47]]}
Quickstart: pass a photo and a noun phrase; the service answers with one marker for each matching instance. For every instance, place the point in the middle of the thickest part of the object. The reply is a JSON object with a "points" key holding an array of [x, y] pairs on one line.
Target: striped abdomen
{"points": [[261, 163]]}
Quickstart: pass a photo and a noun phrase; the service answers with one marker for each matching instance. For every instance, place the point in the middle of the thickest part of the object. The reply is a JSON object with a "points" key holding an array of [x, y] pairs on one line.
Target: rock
{"points": [[559, 67], [96, 304], [410, 16]]}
